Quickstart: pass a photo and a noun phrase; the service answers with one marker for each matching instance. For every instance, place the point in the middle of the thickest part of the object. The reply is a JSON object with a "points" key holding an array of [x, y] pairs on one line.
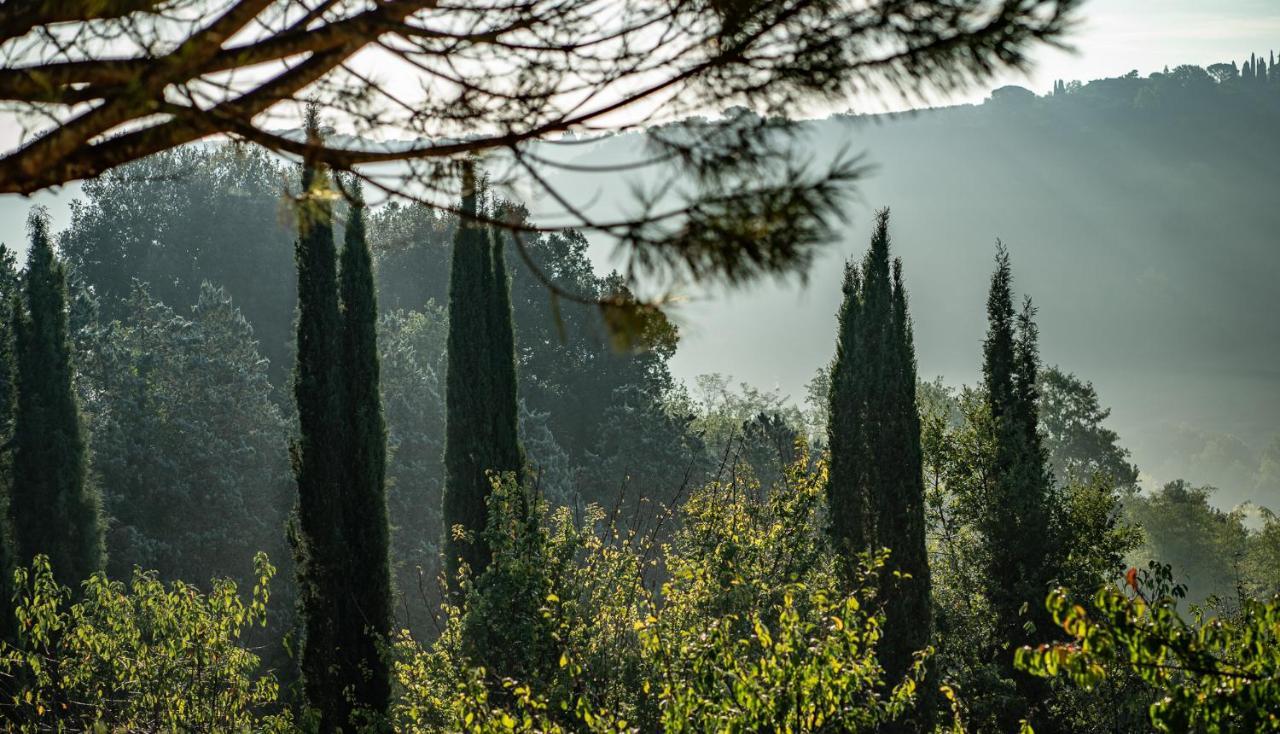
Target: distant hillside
{"points": [[1142, 215]]}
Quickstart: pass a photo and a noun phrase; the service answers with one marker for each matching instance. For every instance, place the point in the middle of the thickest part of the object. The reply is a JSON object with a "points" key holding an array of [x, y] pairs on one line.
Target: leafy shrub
{"points": [[800, 672], [751, 630], [1213, 673], [142, 657]]}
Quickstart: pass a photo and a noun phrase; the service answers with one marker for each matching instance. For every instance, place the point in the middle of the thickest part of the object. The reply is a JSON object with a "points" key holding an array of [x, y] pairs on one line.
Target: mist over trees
{"points": [[1146, 196]]}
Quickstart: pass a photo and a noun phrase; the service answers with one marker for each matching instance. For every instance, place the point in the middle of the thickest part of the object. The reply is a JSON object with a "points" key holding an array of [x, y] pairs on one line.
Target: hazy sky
{"points": [[1114, 36]]}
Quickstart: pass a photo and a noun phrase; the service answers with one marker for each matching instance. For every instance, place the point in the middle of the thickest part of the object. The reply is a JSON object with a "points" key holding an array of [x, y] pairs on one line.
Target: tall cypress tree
{"points": [[508, 455], [10, 282], [902, 514], [876, 489], [367, 614], [846, 499], [54, 509], [480, 397], [1015, 519], [319, 454], [10, 286]]}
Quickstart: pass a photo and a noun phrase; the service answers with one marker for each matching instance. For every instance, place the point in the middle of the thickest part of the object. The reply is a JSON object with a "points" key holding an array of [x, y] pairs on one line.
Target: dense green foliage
{"points": [[161, 431], [1215, 673], [174, 221], [201, 373], [1078, 445], [746, 629], [54, 508], [607, 409], [1223, 557], [412, 354], [725, 610], [140, 656], [876, 491]]}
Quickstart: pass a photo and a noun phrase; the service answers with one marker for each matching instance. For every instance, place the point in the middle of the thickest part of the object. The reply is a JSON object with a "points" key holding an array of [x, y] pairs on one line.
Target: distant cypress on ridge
{"points": [[54, 509], [876, 488]]}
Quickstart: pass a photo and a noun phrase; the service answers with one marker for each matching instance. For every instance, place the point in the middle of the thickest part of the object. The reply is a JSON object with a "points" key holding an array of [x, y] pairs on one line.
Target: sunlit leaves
{"points": [[139, 657], [1216, 673]]}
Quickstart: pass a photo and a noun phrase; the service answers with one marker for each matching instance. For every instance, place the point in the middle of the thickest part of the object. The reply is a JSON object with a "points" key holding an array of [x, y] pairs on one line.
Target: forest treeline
{"points": [[491, 518]]}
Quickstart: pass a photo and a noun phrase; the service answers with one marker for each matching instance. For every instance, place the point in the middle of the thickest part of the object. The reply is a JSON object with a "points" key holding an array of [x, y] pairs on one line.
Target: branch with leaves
{"points": [[1215, 673], [415, 86]]}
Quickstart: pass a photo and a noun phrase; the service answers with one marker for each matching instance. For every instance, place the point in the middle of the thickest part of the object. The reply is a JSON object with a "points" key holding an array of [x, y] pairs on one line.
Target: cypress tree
{"points": [[480, 394], [846, 500], [466, 439], [902, 515], [876, 489], [9, 285], [319, 453], [367, 615], [508, 455], [1015, 517], [879, 360], [54, 509]]}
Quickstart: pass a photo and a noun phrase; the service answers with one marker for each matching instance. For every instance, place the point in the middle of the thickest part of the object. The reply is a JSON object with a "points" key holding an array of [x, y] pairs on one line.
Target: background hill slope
{"points": [[1142, 215]]}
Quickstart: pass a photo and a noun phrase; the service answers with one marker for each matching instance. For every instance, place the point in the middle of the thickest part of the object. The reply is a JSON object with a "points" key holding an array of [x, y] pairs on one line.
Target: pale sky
{"points": [[1115, 36]]}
